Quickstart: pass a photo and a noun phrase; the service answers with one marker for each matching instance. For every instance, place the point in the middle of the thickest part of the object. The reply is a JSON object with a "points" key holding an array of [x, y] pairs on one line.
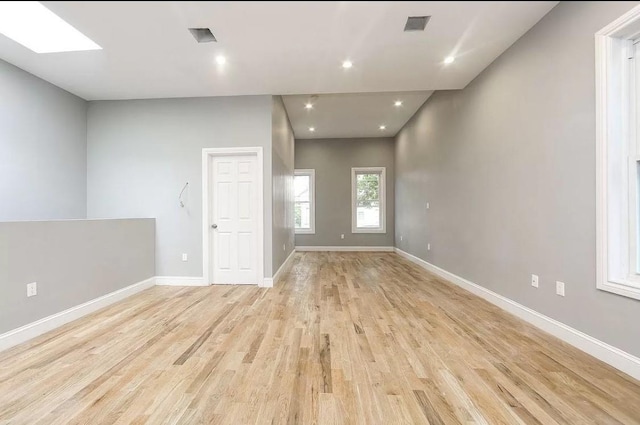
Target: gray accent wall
{"points": [[508, 168], [283, 142], [43, 155], [333, 159], [142, 152], [72, 261]]}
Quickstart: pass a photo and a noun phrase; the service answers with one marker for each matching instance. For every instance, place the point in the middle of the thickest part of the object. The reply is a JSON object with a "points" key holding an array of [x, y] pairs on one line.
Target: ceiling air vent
{"points": [[416, 23], [202, 35]]}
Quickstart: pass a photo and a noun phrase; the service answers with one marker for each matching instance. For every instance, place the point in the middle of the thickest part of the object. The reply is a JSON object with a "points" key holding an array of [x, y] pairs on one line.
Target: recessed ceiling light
{"points": [[221, 60], [397, 103], [449, 59], [308, 105], [383, 127], [347, 64], [39, 29], [312, 129]]}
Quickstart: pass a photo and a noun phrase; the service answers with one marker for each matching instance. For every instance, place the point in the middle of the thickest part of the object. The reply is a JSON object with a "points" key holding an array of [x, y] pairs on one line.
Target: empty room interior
{"points": [[320, 212]]}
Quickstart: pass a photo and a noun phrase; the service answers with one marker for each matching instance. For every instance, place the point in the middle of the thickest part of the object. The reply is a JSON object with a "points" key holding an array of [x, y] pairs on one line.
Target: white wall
{"points": [[43, 156], [141, 152], [283, 142]]}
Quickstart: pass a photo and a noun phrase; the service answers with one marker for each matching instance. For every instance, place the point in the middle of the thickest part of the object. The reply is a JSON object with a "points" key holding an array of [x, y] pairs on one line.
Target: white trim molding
{"points": [[207, 153], [346, 248], [269, 281], [616, 216], [180, 281], [609, 354], [382, 189], [49, 323]]}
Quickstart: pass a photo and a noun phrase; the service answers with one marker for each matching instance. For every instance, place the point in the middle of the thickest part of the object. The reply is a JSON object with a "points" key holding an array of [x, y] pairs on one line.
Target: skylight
{"points": [[39, 29]]}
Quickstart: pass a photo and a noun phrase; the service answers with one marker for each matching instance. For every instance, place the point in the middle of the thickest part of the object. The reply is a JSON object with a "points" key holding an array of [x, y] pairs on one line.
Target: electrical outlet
{"points": [[342, 236], [427, 205], [284, 246], [560, 288], [185, 257], [32, 289], [534, 280], [400, 238], [428, 247]]}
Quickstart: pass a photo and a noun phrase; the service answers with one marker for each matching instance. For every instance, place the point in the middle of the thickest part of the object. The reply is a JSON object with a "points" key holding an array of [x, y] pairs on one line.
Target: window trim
{"points": [[614, 131], [312, 201], [383, 204]]}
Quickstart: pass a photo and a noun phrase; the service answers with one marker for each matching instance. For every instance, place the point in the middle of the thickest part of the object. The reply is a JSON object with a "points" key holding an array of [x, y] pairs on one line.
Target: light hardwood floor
{"points": [[349, 338]]}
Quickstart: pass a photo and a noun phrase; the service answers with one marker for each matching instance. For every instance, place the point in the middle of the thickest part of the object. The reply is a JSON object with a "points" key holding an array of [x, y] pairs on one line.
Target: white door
{"points": [[234, 227]]}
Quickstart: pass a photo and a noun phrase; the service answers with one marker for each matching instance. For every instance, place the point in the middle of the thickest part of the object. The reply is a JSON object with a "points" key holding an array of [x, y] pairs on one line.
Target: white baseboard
{"points": [[609, 354], [346, 248], [180, 281], [269, 281], [199, 281], [39, 327]]}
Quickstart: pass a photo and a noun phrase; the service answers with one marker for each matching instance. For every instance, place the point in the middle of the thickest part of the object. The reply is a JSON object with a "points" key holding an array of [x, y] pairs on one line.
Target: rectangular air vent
{"points": [[416, 23], [202, 35]]}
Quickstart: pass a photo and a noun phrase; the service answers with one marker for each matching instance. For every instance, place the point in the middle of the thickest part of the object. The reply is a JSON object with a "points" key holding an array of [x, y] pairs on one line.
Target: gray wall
{"points": [[283, 143], [43, 155], [508, 167], [72, 261], [141, 152], [333, 159]]}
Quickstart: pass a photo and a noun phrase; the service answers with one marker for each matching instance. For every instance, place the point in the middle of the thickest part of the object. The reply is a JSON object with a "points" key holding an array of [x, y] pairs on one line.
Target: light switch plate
{"points": [[184, 257], [560, 288], [32, 289], [534, 280]]}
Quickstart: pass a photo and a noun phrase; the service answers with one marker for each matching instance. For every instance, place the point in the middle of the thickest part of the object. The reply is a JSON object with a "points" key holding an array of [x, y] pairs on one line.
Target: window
{"points": [[305, 208], [367, 198], [618, 156]]}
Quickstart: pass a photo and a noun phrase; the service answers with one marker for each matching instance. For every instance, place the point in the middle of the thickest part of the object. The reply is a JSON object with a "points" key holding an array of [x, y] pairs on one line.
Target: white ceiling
{"points": [[352, 115], [275, 47]]}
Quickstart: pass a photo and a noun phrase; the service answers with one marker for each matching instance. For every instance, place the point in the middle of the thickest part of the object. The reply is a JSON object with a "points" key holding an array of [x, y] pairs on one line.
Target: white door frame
{"points": [[208, 153]]}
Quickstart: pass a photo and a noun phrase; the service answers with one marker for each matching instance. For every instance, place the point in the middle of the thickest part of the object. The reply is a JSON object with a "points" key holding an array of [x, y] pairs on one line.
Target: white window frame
{"points": [[616, 157], [354, 199], [312, 201]]}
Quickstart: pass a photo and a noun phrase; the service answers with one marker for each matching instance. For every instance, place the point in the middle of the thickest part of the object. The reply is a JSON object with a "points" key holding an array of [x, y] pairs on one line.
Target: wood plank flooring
{"points": [[343, 338]]}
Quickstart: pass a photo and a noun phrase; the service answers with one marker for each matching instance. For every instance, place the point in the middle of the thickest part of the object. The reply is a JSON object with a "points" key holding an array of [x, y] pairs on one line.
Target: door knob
{"points": [[214, 226]]}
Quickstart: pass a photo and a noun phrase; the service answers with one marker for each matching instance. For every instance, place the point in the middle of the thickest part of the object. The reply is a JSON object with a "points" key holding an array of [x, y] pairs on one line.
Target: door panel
{"points": [[245, 241], [233, 206], [224, 201], [224, 249], [244, 200]]}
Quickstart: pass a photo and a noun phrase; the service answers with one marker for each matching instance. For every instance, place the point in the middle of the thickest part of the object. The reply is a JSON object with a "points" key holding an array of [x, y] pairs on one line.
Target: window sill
{"points": [[368, 231], [305, 232], [630, 289]]}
